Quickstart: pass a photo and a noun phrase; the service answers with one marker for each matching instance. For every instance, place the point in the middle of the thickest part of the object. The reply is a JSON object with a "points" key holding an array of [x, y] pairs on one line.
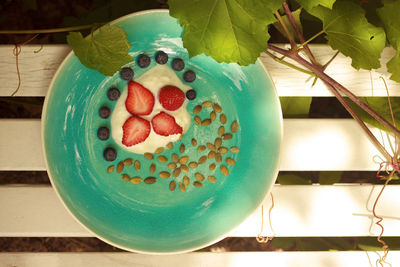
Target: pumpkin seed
{"points": [[137, 165], [126, 177], [212, 179], [206, 122], [207, 104], [234, 127], [184, 168], [120, 167], [165, 175], [182, 187], [212, 166], [197, 184], [224, 170], [186, 181], [211, 154], [201, 148], [197, 109], [218, 142], [202, 159], [110, 169], [136, 180], [194, 142], [230, 161], [184, 159], [199, 176], [172, 166], [218, 157], [222, 150], [217, 108], [148, 156], [211, 146], [175, 158], [170, 145], [159, 150], [182, 148], [150, 180], [213, 116], [193, 165], [172, 185], [152, 168], [227, 136], [222, 118], [128, 162], [176, 172], [197, 120], [221, 130], [162, 158], [234, 149]]}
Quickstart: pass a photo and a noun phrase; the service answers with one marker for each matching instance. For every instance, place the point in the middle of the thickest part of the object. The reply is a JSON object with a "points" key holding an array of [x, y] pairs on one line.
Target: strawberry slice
{"points": [[140, 100], [135, 131], [165, 124], [171, 97]]}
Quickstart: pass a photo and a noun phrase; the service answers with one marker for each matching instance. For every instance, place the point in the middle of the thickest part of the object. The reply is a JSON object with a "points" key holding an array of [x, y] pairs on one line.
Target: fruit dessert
{"points": [[151, 120]]}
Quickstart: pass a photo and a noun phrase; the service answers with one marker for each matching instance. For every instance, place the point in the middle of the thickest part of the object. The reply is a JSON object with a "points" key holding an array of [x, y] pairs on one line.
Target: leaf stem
{"points": [[280, 60], [326, 78], [54, 30], [288, 34], [305, 43]]}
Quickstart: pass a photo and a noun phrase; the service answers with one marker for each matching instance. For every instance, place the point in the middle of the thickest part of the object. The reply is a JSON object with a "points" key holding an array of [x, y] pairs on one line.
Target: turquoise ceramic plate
{"points": [[150, 217]]}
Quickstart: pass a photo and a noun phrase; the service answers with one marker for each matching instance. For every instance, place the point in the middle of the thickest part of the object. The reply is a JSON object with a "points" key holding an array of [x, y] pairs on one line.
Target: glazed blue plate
{"points": [[151, 218]]}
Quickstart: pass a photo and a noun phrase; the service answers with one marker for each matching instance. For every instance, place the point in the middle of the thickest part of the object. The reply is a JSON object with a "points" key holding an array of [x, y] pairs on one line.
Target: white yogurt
{"points": [[153, 79]]}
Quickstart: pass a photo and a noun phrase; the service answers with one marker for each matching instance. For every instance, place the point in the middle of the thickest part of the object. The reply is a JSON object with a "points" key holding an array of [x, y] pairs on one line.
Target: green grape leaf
{"points": [[389, 14], [329, 177], [393, 66], [296, 17], [105, 51], [349, 32], [381, 106], [309, 4], [228, 31], [292, 179], [295, 107]]}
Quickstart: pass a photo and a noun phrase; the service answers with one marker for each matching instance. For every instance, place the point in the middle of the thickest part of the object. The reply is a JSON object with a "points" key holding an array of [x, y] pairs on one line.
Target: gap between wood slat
{"points": [[37, 70], [308, 144], [310, 210]]}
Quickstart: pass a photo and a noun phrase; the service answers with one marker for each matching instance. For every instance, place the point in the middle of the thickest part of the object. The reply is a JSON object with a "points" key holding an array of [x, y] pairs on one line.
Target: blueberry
{"points": [[161, 57], [104, 112], [189, 76], [103, 133], [191, 94], [126, 73], [178, 64], [113, 94], [143, 61], [110, 154]]}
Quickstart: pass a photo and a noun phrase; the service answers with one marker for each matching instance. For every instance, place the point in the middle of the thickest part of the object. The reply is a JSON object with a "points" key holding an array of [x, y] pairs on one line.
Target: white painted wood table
{"points": [[300, 211]]}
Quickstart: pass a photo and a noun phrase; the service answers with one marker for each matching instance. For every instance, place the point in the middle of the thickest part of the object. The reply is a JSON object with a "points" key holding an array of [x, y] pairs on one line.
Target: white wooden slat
{"points": [[340, 210], [308, 144], [37, 70], [199, 259]]}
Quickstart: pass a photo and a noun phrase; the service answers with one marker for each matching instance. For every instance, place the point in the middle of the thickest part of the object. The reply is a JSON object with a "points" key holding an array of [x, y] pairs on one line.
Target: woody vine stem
{"points": [[311, 65]]}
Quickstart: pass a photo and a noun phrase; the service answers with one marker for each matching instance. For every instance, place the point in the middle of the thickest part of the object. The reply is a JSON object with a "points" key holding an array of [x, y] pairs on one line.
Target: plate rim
{"points": [[44, 117]]}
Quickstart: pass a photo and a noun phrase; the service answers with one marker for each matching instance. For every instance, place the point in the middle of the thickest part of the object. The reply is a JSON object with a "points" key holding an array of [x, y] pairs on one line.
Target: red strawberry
{"points": [[135, 131], [171, 97], [140, 100], [164, 124]]}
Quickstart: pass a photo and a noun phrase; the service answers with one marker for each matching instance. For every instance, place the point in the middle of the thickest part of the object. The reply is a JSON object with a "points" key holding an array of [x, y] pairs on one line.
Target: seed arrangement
{"points": [[179, 167], [186, 164]]}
